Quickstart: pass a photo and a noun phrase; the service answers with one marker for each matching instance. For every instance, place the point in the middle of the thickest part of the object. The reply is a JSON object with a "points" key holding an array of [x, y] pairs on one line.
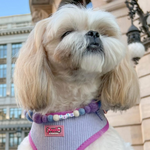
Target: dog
{"points": [[69, 59]]}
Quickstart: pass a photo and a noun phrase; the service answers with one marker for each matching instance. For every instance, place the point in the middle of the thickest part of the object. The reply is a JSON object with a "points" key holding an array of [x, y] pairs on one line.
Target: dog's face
{"points": [[80, 39], [66, 48]]}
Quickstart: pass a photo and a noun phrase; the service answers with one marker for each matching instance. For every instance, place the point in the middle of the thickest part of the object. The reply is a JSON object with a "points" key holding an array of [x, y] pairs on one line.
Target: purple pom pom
{"points": [[25, 112], [93, 106], [87, 109], [44, 119], [37, 118]]}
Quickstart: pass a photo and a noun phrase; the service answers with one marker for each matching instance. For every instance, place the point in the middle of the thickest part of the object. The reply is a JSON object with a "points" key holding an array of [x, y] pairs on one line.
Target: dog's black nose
{"points": [[93, 38], [94, 34], [94, 41]]}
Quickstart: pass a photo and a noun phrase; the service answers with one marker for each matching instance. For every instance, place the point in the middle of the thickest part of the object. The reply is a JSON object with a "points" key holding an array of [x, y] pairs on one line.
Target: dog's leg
{"points": [[109, 141], [25, 145]]}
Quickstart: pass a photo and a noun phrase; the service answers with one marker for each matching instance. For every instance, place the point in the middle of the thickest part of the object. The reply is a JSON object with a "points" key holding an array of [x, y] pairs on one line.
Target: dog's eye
{"points": [[65, 34]]}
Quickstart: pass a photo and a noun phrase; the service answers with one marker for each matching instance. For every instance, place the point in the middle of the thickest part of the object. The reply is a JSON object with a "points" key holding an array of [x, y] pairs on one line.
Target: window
{"points": [[15, 49], [15, 113], [2, 113], [3, 68], [2, 90], [12, 69], [3, 51], [12, 90], [14, 140], [2, 140]]}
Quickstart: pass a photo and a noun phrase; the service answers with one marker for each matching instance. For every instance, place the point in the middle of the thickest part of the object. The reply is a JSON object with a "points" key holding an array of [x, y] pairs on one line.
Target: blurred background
{"points": [[17, 19]]}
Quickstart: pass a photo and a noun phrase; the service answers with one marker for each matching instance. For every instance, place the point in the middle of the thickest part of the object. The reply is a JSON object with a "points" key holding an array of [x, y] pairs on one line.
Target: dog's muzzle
{"points": [[95, 44]]}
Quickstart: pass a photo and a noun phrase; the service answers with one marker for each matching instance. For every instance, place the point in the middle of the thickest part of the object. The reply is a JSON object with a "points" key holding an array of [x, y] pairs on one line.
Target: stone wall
{"points": [[134, 124]]}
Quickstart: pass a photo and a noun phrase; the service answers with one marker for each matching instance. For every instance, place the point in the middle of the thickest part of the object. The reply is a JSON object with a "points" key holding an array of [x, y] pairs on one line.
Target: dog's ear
{"points": [[32, 74], [120, 88]]}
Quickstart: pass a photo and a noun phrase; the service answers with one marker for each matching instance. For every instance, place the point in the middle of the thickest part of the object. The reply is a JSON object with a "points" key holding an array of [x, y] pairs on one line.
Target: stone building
{"points": [[13, 125], [132, 125]]}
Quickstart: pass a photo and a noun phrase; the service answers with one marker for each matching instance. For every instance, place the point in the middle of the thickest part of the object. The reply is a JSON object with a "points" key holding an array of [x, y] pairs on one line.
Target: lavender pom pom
{"points": [[87, 109], [44, 119], [93, 106], [37, 118], [25, 112]]}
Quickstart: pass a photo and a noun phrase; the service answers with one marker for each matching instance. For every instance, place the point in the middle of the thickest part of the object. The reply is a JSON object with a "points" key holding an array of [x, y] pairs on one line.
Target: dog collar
{"points": [[70, 134], [39, 119]]}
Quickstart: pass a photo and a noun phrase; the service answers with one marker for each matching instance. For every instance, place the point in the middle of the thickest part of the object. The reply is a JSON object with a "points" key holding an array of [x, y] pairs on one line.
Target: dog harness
{"points": [[70, 134]]}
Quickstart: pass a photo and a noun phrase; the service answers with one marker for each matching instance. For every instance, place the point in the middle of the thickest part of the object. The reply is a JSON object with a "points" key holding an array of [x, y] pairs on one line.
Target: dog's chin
{"points": [[93, 60]]}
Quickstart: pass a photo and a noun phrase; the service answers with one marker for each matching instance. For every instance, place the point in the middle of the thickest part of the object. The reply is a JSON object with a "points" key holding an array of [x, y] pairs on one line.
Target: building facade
{"points": [[14, 127], [132, 125]]}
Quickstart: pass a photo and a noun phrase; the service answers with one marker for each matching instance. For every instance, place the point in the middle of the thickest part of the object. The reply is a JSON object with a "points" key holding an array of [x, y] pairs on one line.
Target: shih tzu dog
{"points": [[70, 63]]}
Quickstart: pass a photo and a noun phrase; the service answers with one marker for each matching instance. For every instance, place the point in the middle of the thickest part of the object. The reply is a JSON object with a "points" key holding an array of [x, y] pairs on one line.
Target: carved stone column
{"points": [[38, 15], [40, 9]]}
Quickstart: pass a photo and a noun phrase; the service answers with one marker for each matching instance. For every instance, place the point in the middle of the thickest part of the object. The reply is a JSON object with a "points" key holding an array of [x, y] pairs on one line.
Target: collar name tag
{"points": [[54, 131]]}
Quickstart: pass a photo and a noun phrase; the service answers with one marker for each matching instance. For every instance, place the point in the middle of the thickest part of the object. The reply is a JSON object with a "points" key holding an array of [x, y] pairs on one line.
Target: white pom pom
{"points": [[76, 113], [137, 50], [56, 118]]}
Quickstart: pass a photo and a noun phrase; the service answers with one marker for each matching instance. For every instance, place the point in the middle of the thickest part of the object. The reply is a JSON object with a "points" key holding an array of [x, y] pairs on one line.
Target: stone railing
{"points": [[14, 123], [13, 31]]}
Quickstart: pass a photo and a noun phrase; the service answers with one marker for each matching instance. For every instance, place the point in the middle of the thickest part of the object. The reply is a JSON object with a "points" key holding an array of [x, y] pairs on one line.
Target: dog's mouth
{"points": [[95, 48]]}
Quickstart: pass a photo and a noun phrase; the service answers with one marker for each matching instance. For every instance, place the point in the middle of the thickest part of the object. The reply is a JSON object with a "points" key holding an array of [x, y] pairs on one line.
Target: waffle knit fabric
{"points": [[79, 133]]}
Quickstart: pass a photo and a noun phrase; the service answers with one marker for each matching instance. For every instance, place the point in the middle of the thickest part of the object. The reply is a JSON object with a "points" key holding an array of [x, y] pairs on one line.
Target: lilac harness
{"points": [[79, 133]]}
